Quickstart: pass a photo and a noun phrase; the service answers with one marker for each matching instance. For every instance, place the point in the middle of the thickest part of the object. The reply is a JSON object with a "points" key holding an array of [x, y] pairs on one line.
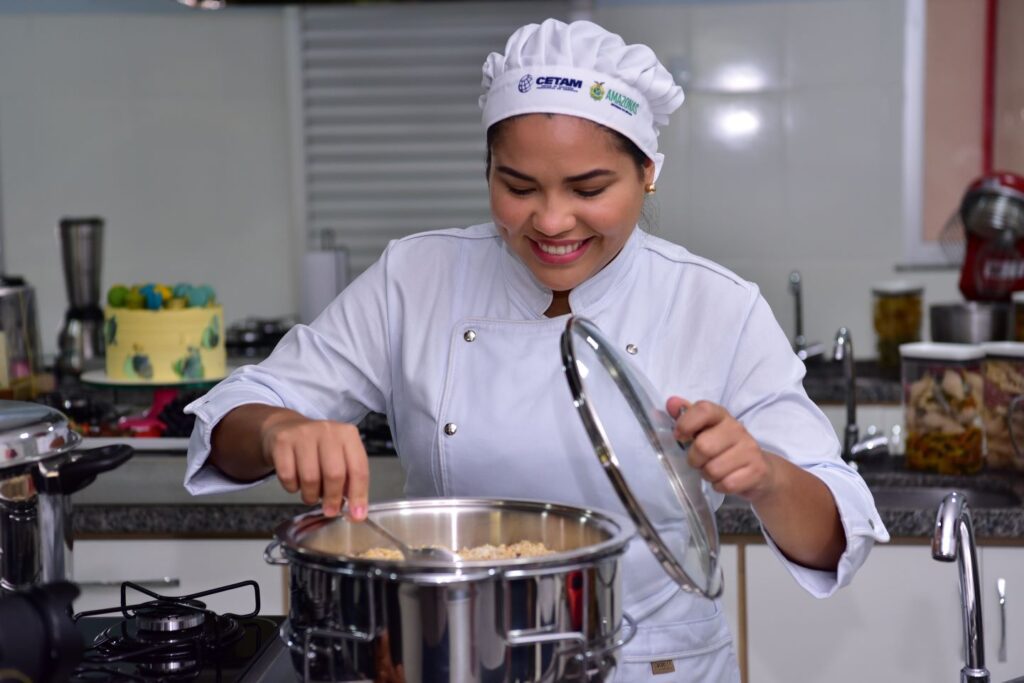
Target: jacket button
{"points": [[451, 428], [469, 336], [631, 349]]}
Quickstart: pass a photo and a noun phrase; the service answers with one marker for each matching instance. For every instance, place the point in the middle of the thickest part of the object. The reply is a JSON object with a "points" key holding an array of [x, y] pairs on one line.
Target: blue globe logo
{"points": [[525, 83]]}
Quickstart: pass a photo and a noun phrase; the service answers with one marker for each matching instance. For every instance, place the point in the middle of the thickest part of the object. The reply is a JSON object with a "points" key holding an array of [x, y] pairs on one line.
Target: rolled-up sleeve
{"points": [[336, 368], [238, 389], [766, 394], [860, 521]]}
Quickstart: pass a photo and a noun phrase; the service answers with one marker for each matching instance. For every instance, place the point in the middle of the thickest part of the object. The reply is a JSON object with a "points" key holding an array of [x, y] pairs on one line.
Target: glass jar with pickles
{"points": [[896, 311], [943, 395]]}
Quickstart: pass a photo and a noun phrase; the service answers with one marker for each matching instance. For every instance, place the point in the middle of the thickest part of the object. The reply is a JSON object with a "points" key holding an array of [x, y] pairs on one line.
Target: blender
{"points": [[80, 344]]}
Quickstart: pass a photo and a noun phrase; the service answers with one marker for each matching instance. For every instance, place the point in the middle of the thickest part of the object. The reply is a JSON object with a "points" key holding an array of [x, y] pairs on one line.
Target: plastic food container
{"points": [[943, 394], [897, 313], [1003, 411]]}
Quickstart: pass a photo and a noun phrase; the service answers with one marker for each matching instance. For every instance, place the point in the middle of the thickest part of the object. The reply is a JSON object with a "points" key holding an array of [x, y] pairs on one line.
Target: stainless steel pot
{"points": [[971, 322], [551, 618], [39, 470]]}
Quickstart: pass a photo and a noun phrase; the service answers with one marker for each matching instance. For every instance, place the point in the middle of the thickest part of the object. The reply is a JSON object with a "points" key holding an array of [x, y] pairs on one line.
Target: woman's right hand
{"points": [[325, 460]]}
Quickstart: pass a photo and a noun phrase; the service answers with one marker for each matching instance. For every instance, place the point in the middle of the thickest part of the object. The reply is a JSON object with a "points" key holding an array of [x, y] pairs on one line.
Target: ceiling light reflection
{"points": [[737, 123], [740, 78], [203, 4]]}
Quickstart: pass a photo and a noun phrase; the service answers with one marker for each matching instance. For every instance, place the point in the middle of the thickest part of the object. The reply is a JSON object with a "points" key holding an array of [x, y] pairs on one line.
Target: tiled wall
{"points": [[788, 151]]}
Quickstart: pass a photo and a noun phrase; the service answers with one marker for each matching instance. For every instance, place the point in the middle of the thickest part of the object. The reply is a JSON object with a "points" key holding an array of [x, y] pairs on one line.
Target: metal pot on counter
{"points": [[40, 468], [556, 617], [551, 617], [969, 322]]}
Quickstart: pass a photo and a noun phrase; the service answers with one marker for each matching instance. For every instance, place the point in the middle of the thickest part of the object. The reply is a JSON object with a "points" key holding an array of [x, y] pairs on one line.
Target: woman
{"points": [[454, 334]]}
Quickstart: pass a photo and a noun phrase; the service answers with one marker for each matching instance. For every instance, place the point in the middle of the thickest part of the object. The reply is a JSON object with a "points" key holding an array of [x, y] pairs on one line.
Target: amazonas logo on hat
{"points": [[624, 104]]}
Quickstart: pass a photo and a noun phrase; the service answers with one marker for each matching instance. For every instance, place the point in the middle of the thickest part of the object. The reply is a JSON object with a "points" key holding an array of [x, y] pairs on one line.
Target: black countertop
{"points": [[113, 506]]}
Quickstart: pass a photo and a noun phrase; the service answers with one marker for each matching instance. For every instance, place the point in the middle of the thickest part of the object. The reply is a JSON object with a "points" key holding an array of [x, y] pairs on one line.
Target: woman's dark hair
{"points": [[626, 145]]}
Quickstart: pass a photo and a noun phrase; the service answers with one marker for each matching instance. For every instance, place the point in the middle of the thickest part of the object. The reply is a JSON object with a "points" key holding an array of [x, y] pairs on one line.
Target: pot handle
{"points": [[592, 659], [269, 555], [535, 637], [521, 636], [629, 630], [84, 466]]}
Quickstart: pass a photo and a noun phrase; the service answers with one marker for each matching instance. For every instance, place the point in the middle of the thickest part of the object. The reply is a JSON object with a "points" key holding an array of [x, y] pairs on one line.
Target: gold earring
{"points": [[650, 188]]}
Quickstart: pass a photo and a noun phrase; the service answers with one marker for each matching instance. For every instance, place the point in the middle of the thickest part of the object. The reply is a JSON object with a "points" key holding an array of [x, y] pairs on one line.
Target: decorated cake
{"points": [[158, 333]]}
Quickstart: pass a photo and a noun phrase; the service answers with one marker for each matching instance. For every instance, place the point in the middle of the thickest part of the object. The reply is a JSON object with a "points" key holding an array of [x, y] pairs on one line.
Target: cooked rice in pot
{"points": [[486, 552]]}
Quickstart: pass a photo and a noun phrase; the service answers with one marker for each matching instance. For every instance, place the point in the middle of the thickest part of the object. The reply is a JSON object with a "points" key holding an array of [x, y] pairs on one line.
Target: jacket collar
{"points": [[535, 298]]}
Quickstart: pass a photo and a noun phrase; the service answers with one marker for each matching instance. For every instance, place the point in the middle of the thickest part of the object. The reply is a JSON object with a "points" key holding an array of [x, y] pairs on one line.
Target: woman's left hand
{"points": [[722, 449]]}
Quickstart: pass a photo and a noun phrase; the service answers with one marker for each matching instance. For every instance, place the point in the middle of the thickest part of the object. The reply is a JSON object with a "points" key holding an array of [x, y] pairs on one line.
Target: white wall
{"points": [[173, 126], [818, 186]]}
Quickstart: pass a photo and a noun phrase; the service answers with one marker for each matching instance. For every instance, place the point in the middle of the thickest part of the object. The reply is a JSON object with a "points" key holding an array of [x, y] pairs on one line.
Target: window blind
{"points": [[391, 137]]}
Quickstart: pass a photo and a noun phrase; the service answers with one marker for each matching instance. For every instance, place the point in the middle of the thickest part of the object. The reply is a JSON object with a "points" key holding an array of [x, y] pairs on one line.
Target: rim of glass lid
{"points": [[30, 432], [702, 520]]}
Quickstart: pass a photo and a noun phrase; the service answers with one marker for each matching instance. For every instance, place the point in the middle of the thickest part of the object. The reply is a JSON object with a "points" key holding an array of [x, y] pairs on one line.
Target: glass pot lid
{"points": [[633, 438], [30, 432]]}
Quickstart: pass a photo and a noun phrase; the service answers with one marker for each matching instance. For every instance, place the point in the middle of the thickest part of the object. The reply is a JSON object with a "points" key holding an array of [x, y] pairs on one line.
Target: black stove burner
{"points": [[170, 617], [171, 639]]}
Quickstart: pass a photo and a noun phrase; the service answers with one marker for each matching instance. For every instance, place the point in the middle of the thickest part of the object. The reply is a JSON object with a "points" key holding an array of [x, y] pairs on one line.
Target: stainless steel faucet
{"points": [[853, 447], [954, 540], [804, 350]]}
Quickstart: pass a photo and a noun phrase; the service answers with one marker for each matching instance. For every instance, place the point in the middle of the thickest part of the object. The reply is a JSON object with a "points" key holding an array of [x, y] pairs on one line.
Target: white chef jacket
{"points": [[490, 414]]}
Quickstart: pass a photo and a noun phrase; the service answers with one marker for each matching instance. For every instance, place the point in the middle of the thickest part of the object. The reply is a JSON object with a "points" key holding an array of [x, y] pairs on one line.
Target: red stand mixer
{"points": [[991, 221]]}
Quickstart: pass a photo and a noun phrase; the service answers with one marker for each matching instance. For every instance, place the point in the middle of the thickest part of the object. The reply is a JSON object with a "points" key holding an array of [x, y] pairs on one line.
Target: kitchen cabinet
{"points": [[898, 621], [197, 565], [729, 560], [1006, 563]]}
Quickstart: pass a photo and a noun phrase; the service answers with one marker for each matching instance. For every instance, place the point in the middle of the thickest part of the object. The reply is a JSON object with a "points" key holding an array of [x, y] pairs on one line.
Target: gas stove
{"points": [[166, 639]]}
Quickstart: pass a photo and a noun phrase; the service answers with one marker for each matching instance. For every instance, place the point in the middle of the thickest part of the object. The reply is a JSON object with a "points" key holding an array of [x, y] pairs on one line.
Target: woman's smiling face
{"points": [[564, 196]]}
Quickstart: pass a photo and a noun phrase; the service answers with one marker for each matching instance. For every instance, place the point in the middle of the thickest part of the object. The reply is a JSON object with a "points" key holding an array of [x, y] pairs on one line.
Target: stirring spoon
{"points": [[430, 553]]}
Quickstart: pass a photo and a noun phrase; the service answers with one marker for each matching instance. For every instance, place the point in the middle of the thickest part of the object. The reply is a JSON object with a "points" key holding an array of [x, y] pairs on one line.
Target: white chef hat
{"points": [[582, 70]]}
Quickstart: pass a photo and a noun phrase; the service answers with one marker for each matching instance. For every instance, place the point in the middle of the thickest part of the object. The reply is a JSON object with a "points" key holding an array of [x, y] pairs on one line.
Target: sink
{"points": [[929, 497]]}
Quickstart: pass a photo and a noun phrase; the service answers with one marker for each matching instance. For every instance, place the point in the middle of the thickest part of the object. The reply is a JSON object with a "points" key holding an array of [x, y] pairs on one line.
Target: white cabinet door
{"points": [[196, 565], [1008, 564], [898, 621], [729, 560]]}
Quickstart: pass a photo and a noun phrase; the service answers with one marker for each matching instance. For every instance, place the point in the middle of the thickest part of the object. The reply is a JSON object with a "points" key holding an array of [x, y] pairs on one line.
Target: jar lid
{"points": [[30, 432], [634, 440], [941, 351], [896, 288], [1007, 349]]}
